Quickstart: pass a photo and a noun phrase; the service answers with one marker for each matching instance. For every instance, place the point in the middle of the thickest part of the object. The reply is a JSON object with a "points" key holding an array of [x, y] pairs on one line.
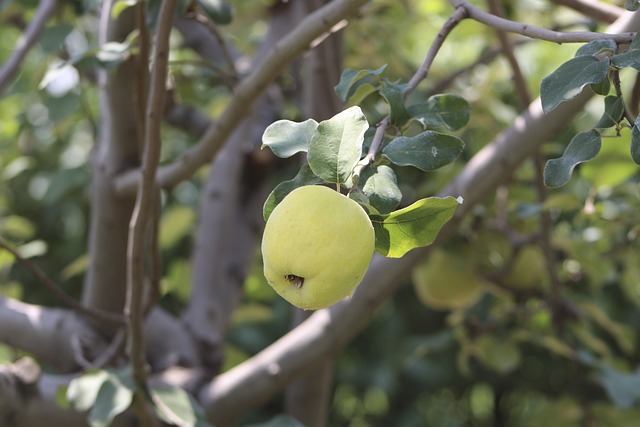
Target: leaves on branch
{"points": [[414, 226], [582, 148]]}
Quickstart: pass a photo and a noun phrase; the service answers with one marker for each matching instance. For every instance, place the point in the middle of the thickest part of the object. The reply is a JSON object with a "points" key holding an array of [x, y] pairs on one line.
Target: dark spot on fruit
{"points": [[296, 280]]}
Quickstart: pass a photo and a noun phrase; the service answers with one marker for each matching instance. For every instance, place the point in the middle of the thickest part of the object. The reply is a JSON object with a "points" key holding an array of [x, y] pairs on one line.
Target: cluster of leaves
{"points": [[334, 150], [596, 64], [108, 393]]}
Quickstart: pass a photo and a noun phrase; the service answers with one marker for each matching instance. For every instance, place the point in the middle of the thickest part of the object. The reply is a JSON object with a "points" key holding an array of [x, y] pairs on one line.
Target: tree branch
{"points": [[594, 9], [143, 213], [58, 292], [52, 335], [26, 42], [246, 93], [537, 32]]}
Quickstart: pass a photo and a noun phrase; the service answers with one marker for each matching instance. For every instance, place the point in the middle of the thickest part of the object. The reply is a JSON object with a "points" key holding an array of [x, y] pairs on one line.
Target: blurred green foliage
{"points": [[558, 353]]}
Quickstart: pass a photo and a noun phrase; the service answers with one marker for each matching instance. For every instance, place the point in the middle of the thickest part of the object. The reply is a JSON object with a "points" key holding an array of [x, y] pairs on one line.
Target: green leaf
{"points": [[582, 148], [336, 147], [83, 391], [305, 176], [630, 58], [635, 142], [52, 38], [632, 5], [613, 112], [603, 88], [448, 111], [427, 151], [351, 80], [219, 11], [114, 397], [597, 46], [621, 387], [174, 406], [286, 138], [567, 81], [381, 188], [393, 93], [412, 227]]}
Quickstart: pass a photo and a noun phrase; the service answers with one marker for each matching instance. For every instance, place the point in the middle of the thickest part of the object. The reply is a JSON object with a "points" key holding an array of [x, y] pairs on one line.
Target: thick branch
{"points": [[26, 42], [246, 93], [594, 9], [116, 150], [54, 336]]}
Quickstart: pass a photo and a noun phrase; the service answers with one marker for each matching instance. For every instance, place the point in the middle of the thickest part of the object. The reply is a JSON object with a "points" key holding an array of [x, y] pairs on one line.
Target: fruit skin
{"points": [[316, 247], [447, 281]]}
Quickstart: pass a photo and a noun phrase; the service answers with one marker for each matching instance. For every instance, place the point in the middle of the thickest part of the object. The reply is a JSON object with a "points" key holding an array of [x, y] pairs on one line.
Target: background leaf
{"points": [[427, 151], [414, 226], [622, 387], [174, 406], [567, 81], [336, 147], [219, 11], [114, 397], [582, 148], [83, 391], [286, 138]]}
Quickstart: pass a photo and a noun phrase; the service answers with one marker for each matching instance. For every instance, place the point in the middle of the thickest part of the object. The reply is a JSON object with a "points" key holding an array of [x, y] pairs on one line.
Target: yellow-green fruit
{"points": [[528, 269], [447, 281], [317, 246]]}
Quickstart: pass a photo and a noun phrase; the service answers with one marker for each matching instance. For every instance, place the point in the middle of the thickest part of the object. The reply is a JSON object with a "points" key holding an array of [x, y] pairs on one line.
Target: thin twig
{"points": [[143, 212], [26, 42], [537, 32], [57, 291], [418, 77]]}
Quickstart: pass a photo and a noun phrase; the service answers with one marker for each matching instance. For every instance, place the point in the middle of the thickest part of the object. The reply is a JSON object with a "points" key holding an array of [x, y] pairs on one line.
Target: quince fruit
{"points": [[447, 281], [317, 246]]}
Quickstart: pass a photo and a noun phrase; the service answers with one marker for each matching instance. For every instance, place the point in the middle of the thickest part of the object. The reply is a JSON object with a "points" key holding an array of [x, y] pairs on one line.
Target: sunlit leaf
{"points": [[83, 391], [336, 147], [114, 397], [286, 138], [414, 226], [174, 406]]}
